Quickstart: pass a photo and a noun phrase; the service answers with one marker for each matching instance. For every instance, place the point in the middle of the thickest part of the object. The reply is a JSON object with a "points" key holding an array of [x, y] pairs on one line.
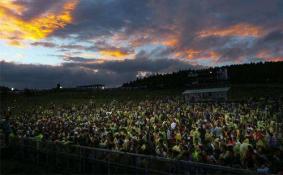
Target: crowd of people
{"points": [[240, 134]]}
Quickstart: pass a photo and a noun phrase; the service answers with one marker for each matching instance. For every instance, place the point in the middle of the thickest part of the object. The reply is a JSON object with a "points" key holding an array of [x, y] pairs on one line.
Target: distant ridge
{"points": [[253, 73]]}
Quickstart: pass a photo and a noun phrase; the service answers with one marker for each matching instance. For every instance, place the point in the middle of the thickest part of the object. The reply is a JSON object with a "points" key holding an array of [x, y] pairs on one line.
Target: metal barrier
{"points": [[59, 157]]}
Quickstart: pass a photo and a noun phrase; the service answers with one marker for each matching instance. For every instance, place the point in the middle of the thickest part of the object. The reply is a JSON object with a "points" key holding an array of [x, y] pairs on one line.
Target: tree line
{"points": [[253, 73]]}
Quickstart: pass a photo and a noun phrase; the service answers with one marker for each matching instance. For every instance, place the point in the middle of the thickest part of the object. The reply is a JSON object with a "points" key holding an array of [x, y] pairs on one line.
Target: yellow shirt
{"points": [[178, 137]]}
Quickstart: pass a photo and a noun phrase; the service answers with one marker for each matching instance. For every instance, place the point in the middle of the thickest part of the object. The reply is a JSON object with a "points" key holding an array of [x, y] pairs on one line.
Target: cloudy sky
{"points": [[78, 42]]}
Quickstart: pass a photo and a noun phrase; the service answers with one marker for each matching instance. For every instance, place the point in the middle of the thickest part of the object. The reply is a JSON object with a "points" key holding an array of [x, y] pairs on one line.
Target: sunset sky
{"points": [[79, 42]]}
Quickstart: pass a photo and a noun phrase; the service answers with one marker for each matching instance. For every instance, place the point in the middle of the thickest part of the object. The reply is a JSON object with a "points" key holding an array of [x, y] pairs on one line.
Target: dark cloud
{"points": [[145, 22], [136, 65], [44, 44], [142, 62], [266, 47], [78, 59], [272, 37], [184, 19], [80, 71], [43, 76], [97, 46], [97, 18], [102, 45]]}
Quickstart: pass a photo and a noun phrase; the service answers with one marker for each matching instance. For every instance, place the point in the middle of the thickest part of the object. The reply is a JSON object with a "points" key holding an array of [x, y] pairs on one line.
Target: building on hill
{"points": [[208, 78], [211, 94], [222, 74]]}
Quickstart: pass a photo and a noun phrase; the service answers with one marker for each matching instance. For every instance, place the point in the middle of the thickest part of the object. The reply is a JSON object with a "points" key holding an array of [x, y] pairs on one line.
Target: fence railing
{"points": [[82, 159]]}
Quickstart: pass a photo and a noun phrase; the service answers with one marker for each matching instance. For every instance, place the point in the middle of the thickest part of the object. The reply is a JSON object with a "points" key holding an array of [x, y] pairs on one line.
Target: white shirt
{"points": [[173, 125]]}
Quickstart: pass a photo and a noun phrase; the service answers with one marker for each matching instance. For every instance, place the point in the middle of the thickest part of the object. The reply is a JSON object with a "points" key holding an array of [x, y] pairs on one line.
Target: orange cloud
{"points": [[170, 38], [170, 42], [263, 53], [114, 53], [275, 59], [198, 54], [267, 56], [191, 53], [235, 30], [14, 29]]}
